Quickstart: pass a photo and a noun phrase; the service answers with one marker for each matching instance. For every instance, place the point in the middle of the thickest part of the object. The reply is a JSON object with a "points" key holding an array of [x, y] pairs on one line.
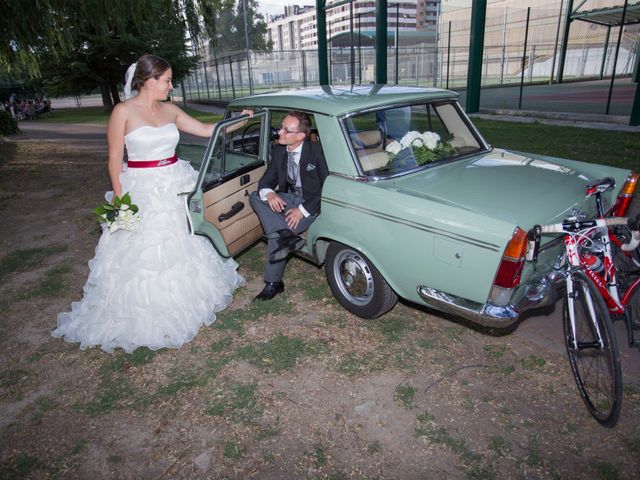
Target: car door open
{"points": [[233, 163]]}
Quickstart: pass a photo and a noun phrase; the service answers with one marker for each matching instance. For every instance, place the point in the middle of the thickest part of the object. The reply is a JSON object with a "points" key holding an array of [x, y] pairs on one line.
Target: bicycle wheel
{"points": [[595, 366]]}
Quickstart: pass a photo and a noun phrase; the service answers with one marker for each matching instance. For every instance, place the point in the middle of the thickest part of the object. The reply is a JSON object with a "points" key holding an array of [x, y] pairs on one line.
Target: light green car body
{"points": [[438, 234]]}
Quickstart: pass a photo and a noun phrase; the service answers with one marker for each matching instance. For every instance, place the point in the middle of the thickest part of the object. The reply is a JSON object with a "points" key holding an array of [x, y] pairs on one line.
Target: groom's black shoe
{"points": [[270, 290], [286, 245]]}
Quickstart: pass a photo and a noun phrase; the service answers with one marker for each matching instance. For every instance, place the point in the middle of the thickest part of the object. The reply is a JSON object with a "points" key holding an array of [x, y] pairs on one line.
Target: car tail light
{"points": [[626, 195], [510, 269]]}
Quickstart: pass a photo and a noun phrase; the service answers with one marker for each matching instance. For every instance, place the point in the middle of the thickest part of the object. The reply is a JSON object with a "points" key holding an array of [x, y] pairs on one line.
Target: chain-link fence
{"points": [[590, 55]]}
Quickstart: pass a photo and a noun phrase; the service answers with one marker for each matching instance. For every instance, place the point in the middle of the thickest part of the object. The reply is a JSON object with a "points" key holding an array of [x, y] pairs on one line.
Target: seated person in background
{"points": [[30, 110], [46, 107], [298, 169]]}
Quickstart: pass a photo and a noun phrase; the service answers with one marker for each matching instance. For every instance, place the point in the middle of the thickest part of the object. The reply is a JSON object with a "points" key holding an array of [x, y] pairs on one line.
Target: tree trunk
{"points": [[114, 94], [106, 97]]}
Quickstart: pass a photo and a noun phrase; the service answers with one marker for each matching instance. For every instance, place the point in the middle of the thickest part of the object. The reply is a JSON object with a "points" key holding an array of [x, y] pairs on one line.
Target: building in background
{"points": [[427, 13], [296, 29]]}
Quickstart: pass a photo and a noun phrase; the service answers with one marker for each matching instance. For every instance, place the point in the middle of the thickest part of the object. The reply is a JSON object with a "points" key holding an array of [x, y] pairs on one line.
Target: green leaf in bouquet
{"points": [[117, 201], [134, 208], [126, 199], [98, 210]]}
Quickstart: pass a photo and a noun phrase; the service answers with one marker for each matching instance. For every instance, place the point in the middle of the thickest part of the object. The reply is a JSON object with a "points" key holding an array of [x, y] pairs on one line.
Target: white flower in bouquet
{"points": [[126, 220], [409, 138], [394, 147], [430, 140]]}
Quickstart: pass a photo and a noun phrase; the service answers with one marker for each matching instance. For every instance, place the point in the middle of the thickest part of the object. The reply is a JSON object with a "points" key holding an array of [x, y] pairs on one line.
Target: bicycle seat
{"points": [[600, 186]]}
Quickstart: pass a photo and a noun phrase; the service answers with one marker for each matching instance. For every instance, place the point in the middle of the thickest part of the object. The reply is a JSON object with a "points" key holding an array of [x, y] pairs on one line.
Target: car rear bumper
{"points": [[536, 293]]}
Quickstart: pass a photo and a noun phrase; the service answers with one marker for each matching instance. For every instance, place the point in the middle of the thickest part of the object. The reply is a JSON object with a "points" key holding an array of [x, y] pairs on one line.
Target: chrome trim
{"points": [[538, 292], [426, 228], [353, 178]]}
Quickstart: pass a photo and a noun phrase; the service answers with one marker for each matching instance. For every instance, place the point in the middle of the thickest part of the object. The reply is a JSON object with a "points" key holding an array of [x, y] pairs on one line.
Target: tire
{"points": [[596, 369], [356, 283]]}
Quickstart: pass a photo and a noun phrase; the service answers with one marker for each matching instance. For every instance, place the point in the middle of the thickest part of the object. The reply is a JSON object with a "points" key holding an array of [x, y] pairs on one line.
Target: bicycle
{"points": [[592, 296]]}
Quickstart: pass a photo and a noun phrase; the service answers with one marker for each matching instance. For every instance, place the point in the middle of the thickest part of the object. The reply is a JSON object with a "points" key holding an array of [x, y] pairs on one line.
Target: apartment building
{"points": [[427, 13], [296, 29]]}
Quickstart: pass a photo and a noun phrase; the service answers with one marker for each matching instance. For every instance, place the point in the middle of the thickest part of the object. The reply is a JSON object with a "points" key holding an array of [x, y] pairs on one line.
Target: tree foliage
{"points": [[75, 46], [224, 25]]}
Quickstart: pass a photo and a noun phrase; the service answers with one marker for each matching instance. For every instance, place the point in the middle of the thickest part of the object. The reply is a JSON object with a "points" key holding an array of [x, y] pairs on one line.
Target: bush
{"points": [[8, 125]]}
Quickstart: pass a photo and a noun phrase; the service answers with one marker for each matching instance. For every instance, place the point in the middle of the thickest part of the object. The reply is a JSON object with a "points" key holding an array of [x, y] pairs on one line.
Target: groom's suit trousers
{"points": [[271, 223]]}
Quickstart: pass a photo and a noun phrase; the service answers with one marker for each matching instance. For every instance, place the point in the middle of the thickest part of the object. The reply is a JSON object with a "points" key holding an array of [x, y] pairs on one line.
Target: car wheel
{"points": [[356, 283]]}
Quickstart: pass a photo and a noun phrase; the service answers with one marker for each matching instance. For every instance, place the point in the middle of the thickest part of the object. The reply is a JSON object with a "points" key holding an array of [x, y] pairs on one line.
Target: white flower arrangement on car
{"points": [[427, 147], [122, 214]]}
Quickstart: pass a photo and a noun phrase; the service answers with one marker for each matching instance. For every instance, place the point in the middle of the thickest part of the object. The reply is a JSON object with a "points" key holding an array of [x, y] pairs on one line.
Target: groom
{"points": [[298, 170]]}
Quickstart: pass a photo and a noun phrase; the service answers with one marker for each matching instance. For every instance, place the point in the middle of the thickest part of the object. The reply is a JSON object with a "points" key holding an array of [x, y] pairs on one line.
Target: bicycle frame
{"points": [[605, 282]]}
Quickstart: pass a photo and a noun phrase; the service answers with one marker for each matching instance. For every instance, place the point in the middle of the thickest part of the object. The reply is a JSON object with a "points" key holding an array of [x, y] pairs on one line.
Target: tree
{"points": [[78, 46], [224, 25]]}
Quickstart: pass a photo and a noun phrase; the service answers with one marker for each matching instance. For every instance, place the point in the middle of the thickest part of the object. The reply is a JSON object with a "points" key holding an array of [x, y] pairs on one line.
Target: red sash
{"points": [[153, 163]]}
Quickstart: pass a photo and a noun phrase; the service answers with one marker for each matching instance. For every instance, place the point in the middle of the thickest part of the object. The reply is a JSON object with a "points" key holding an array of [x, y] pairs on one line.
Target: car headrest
{"points": [[368, 139]]}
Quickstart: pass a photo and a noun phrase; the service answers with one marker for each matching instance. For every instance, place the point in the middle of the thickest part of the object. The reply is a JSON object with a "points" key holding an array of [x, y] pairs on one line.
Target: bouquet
{"points": [[426, 147], [121, 214]]}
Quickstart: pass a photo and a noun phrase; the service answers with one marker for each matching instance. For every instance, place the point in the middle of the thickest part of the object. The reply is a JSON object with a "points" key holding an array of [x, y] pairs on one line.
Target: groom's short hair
{"points": [[304, 121]]}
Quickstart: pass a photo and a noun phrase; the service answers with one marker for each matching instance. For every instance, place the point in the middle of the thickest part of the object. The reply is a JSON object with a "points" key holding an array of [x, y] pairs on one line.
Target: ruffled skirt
{"points": [[154, 287]]}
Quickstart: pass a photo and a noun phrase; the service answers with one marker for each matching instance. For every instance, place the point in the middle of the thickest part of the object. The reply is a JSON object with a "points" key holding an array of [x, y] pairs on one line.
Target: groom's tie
{"points": [[292, 169]]}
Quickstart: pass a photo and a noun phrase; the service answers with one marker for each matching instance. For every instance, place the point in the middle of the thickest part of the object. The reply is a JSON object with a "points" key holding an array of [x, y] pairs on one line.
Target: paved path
{"points": [[544, 330]]}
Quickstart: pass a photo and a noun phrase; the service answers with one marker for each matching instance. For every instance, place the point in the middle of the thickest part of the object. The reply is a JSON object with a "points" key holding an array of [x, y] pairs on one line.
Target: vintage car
{"points": [[417, 204]]}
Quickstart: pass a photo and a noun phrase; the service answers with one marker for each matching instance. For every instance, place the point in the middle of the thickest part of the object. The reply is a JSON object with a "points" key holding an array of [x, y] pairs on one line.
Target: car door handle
{"points": [[235, 209]]}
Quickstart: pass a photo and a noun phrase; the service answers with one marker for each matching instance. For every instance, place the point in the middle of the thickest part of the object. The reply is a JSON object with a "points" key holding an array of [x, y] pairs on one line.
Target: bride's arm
{"points": [[188, 124], [115, 137]]}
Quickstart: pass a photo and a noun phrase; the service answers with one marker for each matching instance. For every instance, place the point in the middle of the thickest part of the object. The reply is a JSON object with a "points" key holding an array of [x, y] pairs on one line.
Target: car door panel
{"points": [[242, 228]]}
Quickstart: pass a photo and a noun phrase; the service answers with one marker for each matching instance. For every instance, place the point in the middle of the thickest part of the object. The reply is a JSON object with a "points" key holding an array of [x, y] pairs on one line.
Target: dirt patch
{"points": [[295, 388]]}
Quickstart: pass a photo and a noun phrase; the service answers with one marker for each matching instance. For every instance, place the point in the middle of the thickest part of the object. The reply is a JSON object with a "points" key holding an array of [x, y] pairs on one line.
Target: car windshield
{"points": [[400, 139]]}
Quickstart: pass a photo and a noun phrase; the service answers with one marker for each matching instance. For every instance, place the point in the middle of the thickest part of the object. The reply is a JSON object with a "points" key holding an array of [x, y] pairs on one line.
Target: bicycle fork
{"points": [[571, 299]]}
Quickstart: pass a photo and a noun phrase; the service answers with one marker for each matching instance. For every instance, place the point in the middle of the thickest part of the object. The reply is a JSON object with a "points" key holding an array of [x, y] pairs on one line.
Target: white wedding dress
{"points": [[157, 286]]}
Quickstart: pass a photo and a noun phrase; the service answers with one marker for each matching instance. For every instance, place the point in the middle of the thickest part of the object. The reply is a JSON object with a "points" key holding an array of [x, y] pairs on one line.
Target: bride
{"points": [[156, 286]]}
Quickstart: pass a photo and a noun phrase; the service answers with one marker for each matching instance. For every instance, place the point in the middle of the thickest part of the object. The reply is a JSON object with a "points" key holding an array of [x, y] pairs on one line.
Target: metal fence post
{"points": [[233, 87], [206, 80], [304, 68], [524, 58]]}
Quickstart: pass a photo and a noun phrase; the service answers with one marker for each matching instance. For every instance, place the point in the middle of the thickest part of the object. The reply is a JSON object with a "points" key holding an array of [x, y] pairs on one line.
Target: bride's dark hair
{"points": [[149, 66]]}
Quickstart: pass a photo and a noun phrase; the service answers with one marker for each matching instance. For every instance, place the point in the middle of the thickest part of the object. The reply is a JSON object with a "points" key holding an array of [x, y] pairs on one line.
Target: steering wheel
{"points": [[246, 143]]}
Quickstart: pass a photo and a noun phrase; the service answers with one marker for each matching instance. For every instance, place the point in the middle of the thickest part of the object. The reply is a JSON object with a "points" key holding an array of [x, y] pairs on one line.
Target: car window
{"points": [[401, 139], [233, 150]]}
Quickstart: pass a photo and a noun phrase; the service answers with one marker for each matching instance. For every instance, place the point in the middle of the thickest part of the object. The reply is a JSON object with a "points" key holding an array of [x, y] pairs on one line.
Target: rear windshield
{"points": [[401, 139]]}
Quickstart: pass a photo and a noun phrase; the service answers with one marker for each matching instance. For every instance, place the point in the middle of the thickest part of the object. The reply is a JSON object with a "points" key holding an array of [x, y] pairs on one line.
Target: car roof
{"points": [[332, 100]]}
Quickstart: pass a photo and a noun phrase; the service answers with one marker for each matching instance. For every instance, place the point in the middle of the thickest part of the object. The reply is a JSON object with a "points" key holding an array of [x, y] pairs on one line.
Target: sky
{"points": [[275, 7]]}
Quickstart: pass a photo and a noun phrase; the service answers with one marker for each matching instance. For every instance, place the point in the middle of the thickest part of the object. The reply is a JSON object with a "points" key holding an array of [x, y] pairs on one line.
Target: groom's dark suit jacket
{"points": [[313, 171]]}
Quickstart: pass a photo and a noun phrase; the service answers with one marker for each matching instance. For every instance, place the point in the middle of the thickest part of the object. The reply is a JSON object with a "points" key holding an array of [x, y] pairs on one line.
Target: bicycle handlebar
{"points": [[534, 234]]}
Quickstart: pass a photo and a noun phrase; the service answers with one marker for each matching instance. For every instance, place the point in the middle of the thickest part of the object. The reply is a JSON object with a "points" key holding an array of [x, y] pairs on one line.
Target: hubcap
{"points": [[353, 277]]}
